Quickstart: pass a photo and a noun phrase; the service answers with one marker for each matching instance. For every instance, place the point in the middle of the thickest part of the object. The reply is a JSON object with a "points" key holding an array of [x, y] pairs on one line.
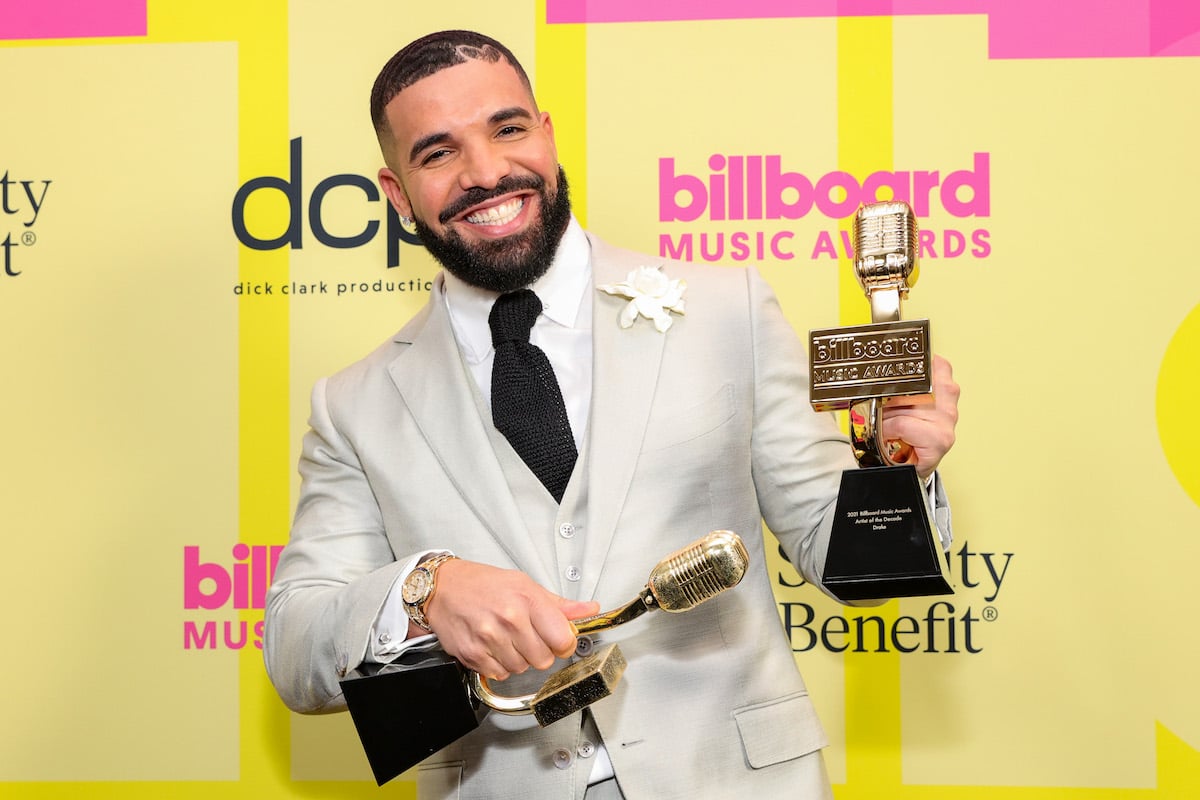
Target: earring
{"points": [[408, 225]]}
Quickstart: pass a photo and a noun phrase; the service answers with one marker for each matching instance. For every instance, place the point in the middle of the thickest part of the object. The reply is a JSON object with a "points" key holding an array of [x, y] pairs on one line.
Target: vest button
{"points": [[566, 530], [573, 573], [584, 646]]}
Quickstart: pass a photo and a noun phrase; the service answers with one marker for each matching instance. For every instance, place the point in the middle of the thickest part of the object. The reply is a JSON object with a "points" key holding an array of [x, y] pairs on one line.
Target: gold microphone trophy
{"points": [[680, 582], [882, 544], [426, 700]]}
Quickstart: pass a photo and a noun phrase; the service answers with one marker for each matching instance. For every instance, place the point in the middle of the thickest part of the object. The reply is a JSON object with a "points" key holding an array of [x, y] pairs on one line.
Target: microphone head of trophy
{"points": [[886, 245], [698, 572], [886, 262]]}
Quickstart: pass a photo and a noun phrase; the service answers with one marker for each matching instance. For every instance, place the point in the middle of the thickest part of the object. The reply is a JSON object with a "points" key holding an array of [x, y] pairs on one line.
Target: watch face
{"points": [[416, 586]]}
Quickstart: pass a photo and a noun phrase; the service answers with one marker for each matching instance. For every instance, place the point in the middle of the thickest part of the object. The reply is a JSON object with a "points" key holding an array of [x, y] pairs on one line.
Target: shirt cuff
{"points": [[939, 507], [389, 634]]}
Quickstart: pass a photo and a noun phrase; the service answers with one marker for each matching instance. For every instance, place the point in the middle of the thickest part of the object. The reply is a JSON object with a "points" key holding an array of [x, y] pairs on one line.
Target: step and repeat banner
{"points": [[191, 234]]}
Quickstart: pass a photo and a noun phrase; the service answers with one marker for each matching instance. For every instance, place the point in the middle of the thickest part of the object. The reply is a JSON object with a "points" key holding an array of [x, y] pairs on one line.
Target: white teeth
{"points": [[497, 215]]}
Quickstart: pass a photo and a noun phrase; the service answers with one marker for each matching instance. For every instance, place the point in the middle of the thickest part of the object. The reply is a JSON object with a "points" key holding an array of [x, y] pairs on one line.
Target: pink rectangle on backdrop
{"points": [[1016, 28], [71, 19]]}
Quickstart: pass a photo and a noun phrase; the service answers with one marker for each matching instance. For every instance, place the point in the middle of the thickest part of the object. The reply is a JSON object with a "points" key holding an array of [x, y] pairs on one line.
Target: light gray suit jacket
{"points": [[705, 427]]}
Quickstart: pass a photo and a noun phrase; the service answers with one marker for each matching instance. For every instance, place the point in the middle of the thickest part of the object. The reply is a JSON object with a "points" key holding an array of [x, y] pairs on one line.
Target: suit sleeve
{"points": [[334, 575], [798, 455]]}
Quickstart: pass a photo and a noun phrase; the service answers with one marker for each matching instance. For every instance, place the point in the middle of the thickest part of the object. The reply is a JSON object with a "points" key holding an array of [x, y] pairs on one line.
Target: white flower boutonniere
{"points": [[650, 293]]}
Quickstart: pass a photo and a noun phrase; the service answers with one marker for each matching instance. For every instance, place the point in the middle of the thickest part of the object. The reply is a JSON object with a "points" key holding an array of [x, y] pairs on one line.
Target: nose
{"points": [[484, 164]]}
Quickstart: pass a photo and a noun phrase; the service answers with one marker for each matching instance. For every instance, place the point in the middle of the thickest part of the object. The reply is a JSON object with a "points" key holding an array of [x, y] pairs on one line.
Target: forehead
{"points": [[456, 97]]}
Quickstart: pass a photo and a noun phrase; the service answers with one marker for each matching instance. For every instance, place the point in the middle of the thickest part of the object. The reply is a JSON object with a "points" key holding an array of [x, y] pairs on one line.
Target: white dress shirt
{"points": [[563, 330]]}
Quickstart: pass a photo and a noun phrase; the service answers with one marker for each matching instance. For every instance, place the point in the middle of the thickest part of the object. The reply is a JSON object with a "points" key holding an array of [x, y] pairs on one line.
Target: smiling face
{"points": [[473, 162]]}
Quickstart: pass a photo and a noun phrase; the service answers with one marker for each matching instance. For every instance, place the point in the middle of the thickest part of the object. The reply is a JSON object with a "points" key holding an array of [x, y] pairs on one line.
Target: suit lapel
{"points": [[443, 405], [625, 376]]}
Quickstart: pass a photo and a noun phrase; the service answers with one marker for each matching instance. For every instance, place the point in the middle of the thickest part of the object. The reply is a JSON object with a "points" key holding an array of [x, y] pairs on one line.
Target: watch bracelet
{"points": [[416, 611]]}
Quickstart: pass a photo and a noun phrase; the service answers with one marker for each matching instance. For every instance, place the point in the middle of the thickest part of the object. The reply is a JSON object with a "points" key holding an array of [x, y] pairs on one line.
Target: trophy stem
{"points": [[885, 304], [866, 437], [611, 619]]}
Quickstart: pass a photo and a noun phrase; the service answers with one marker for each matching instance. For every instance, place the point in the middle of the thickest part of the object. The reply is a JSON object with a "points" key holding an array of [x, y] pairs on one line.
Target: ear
{"points": [[548, 129], [394, 189]]}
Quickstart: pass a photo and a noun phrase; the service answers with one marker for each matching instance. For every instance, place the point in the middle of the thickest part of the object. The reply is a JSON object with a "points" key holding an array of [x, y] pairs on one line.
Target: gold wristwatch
{"points": [[417, 589]]}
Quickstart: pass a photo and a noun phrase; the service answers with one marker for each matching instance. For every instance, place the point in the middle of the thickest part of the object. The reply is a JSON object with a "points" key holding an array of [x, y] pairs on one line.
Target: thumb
{"points": [[578, 609]]}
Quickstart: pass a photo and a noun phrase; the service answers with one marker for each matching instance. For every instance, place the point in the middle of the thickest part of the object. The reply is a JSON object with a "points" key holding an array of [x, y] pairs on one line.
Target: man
{"points": [[682, 424]]}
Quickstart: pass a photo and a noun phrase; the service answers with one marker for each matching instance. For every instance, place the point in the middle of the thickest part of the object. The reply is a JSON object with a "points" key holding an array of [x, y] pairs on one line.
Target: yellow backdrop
{"points": [[190, 236]]}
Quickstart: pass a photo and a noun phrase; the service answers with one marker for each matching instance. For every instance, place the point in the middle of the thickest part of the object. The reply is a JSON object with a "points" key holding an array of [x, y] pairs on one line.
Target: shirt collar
{"points": [[561, 291]]}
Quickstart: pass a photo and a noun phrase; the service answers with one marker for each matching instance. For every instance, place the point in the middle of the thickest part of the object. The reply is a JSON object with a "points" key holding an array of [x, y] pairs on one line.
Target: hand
{"points": [[498, 622], [925, 422]]}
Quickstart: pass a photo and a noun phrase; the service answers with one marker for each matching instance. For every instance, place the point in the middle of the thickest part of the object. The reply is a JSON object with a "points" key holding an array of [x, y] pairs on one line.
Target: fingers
{"points": [[925, 423], [507, 645], [553, 632], [550, 633], [944, 390]]}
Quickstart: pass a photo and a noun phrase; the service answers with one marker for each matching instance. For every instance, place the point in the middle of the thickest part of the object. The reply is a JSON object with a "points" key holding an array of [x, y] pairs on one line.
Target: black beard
{"points": [[511, 263]]}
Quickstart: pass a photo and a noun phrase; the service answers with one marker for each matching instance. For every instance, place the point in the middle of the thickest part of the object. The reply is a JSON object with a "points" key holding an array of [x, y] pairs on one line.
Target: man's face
{"points": [[474, 163]]}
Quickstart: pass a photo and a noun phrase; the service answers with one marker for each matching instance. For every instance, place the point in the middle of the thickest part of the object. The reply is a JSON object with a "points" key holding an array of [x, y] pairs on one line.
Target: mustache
{"points": [[476, 195]]}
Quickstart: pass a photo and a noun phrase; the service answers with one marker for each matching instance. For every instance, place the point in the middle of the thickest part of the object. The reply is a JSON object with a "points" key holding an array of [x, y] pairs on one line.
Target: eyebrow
{"points": [[503, 115]]}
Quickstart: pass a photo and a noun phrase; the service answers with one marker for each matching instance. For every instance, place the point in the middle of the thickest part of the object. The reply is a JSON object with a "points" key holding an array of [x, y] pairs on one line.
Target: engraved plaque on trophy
{"points": [[883, 543]]}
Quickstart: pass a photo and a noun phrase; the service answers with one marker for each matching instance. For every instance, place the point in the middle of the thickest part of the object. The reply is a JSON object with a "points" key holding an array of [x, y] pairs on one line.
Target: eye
{"points": [[434, 156], [510, 130]]}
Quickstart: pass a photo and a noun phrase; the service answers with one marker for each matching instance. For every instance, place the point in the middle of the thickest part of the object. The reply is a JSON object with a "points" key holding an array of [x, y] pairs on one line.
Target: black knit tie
{"points": [[527, 405]]}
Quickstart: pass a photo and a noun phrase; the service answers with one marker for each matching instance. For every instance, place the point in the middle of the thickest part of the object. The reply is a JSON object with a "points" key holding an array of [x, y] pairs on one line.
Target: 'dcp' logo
{"points": [[293, 235]]}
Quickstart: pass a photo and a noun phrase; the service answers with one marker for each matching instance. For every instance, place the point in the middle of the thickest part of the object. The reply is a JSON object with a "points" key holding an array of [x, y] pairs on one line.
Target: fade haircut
{"points": [[431, 54]]}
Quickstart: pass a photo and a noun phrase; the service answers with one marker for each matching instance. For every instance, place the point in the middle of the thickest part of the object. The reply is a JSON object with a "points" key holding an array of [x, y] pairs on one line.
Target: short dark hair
{"points": [[434, 53]]}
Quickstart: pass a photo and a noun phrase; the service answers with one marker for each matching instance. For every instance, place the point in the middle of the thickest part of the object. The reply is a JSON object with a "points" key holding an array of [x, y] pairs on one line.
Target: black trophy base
{"points": [[883, 544], [406, 711]]}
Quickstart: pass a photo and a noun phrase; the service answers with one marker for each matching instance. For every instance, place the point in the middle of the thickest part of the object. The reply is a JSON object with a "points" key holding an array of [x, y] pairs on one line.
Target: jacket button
{"points": [[562, 758], [586, 749], [584, 646]]}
